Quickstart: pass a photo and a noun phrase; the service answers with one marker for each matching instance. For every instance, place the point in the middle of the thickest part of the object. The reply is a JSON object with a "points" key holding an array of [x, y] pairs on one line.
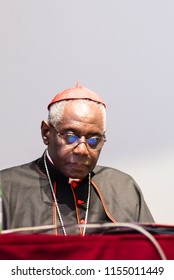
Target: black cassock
{"points": [[28, 201]]}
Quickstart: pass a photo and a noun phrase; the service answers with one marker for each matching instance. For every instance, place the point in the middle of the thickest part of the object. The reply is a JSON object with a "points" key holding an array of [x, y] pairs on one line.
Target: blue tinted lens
{"points": [[70, 138], [92, 142]]}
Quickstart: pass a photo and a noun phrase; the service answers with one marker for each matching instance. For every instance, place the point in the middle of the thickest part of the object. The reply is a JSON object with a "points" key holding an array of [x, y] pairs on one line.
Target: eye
{"points": [[71, 138], [93, 141]]}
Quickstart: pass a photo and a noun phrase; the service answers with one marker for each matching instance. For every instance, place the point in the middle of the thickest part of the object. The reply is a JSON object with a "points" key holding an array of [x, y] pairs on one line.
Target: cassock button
{"points": [[80, 201], [74, 184]]}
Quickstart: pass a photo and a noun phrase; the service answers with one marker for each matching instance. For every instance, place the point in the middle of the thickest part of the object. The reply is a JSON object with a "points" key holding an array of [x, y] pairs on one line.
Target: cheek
{"points": [[55, 150], [60, 154], [95, 156]]}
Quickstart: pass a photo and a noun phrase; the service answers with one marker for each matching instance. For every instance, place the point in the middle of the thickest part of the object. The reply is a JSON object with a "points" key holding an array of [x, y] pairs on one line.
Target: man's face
{"points": [[82, 120]]}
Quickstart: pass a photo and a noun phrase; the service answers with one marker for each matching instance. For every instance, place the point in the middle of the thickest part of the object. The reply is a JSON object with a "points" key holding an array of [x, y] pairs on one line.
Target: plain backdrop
{"points": [[124, 51]]}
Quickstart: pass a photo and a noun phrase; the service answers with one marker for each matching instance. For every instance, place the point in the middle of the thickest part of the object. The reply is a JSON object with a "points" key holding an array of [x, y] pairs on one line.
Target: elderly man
{"points": [[65, 186]]}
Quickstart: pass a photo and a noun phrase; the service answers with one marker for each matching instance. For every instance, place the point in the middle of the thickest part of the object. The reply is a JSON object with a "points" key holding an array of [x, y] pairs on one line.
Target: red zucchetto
{"points": [[78, 92]]}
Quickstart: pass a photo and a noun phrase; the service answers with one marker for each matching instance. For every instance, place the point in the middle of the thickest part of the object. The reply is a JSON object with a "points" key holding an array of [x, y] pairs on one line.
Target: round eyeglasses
{"points": [[72, 140]]}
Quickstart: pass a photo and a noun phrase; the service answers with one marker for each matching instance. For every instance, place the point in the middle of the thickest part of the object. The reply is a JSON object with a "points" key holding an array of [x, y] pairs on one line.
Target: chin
{"points": [[78, 174], [77, 171]]}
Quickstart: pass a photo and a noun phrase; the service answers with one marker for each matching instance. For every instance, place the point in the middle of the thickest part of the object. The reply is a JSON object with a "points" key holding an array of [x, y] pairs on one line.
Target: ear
{"points": [[45, 132]]}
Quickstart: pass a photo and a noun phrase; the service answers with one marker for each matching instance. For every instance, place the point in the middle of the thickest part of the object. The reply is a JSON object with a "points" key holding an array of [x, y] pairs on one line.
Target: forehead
{"points": [[82, 114]]}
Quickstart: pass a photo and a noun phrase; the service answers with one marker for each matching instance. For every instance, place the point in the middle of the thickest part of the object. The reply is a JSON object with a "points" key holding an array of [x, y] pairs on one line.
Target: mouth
{"points": [[79, 163], [77, 169]]}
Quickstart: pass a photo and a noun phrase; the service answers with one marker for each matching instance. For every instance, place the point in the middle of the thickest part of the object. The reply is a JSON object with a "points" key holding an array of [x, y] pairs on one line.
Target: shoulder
{"points": [[116, 179], [110, 172], [17, 173], [16, 168], [19, 177]]}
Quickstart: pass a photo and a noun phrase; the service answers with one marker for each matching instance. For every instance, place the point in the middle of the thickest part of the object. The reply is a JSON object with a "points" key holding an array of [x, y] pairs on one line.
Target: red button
{"points": [[80, 201], [74, 184]]}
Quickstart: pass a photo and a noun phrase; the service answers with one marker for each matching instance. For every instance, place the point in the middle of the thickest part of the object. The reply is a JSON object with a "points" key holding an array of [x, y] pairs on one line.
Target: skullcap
{"points": [[77, 92]]}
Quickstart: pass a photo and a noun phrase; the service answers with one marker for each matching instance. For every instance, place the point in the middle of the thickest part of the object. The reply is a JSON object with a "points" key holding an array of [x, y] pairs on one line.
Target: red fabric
{"points": [[99, 247], [78, 92]]}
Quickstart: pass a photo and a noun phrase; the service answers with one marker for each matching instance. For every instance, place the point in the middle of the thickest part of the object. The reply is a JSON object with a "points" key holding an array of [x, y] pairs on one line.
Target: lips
{"points": [[78, 169], [79, 163]]}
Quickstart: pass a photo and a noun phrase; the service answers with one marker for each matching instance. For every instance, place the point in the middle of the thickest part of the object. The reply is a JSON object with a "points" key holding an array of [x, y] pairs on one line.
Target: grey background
{"points": [[124, 51]]}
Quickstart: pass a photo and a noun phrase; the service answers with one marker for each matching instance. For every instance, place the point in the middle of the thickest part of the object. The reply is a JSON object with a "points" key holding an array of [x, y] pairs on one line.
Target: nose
{"points": [[81, 148]]}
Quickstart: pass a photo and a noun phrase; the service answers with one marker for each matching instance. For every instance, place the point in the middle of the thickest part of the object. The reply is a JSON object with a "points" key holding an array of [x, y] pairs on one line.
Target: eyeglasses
{"points": [[70, 139]]}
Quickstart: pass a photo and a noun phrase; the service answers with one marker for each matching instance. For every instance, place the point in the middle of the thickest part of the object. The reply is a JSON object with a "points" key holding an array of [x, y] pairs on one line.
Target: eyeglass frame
{"points": [[78, 142]]}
